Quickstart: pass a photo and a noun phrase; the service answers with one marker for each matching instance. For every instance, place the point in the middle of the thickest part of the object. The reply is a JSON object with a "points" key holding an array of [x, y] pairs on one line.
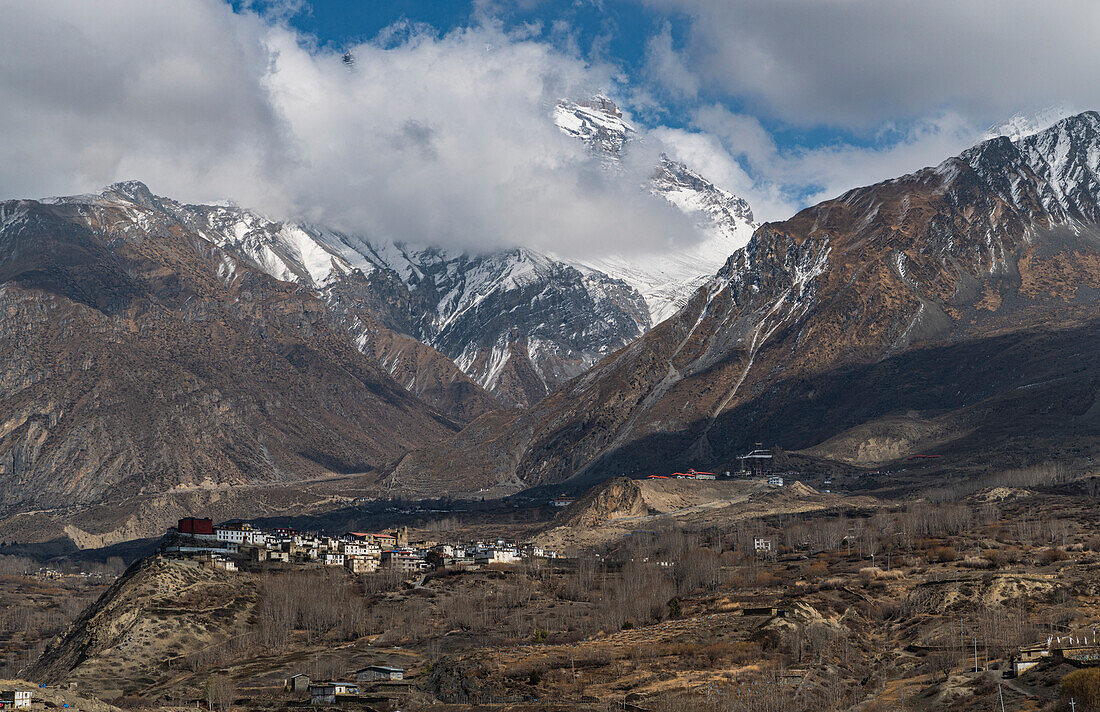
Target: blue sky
{"points": [[602, 30], [442, 131], [623, 33], [614, 30]]}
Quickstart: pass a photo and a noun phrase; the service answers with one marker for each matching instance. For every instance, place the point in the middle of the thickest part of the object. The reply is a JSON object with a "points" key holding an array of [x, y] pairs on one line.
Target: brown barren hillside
{"points": [[617, 508], [138, 358]]}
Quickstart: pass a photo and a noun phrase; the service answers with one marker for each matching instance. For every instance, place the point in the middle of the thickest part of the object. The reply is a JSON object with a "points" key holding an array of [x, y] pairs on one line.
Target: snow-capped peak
{"points": [[596, 121], [665, 279], [1022, 125]]}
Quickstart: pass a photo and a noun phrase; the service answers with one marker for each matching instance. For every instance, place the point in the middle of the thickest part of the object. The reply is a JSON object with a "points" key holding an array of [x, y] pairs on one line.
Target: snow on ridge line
{"points": [[1021, 125]]}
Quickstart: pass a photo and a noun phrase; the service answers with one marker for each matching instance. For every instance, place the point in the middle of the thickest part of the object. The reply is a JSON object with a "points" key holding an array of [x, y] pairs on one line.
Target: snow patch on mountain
{"points": [[1022, 125], [597, 122]]}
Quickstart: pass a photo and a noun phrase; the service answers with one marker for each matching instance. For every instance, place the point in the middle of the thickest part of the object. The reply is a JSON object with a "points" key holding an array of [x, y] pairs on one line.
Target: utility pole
{"points": [[975, 653]]}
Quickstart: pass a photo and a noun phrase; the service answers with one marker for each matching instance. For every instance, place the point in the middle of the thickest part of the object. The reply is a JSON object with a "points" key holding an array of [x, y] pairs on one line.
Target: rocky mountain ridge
{"points": [[959, 299], [140, 358], [515, 322]]}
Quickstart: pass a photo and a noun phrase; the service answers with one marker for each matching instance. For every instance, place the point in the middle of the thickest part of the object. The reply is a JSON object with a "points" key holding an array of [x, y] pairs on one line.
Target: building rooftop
{"points": [[384, 668]]}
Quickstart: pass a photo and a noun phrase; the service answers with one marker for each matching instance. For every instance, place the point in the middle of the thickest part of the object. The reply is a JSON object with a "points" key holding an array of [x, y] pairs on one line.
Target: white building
{"points": [[240, 534], [762, 544], [496, 555], [221, 564], [332, 558], [15, 698], [357, 548]]}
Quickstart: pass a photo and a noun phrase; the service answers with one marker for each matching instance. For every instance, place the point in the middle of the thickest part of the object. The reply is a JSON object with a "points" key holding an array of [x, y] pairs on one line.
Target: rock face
{"points": [[138, 357], [952, 310], [518, 322], [368, 301], [616, 498]]}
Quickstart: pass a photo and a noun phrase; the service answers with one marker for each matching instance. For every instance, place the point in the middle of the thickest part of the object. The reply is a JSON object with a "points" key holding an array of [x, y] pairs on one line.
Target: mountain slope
{"points": [[363, 298], [960, 299], [516, 322], [668, 279], [138, 357]]}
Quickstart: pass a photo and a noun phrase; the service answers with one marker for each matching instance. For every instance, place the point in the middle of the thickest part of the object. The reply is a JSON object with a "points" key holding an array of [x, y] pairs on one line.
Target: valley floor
{"points": [[677, 595]]}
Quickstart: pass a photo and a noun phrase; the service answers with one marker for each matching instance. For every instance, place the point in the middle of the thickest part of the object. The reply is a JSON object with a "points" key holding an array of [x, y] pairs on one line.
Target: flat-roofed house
{"points": [[374, 673], [297, 683], [326, 693], [361, 563]]}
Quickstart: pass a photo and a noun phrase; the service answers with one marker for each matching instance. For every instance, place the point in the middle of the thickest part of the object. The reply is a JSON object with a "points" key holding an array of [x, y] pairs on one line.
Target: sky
{"points": [[440, 132]]}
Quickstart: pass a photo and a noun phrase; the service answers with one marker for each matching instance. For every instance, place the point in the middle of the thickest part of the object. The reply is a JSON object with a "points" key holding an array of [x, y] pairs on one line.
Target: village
{"points": [[971, 599], [229, 545]]}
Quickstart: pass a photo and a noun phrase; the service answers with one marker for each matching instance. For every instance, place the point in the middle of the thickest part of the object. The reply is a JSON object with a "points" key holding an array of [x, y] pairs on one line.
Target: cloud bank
{"points": [[423, 138], [737, 152], [446, 138], [858, 63]]}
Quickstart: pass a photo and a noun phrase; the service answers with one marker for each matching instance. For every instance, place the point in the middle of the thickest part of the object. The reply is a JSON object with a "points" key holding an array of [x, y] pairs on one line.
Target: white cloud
{"points": [[857, 63], [90, 92], [743, 157], [446, 140], [665, 67]]}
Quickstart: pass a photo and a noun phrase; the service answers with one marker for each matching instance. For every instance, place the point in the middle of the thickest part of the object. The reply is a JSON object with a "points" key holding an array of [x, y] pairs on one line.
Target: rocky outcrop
{"points": [[158, 612], [616, 498]]}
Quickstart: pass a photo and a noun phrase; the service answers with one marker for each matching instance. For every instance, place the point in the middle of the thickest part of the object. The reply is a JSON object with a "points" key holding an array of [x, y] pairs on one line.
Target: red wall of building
{"points": [[192, 525]]}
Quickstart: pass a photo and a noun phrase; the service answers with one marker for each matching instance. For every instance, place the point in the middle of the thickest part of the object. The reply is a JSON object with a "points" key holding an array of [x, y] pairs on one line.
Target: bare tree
{"points": [[220, 692]]}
